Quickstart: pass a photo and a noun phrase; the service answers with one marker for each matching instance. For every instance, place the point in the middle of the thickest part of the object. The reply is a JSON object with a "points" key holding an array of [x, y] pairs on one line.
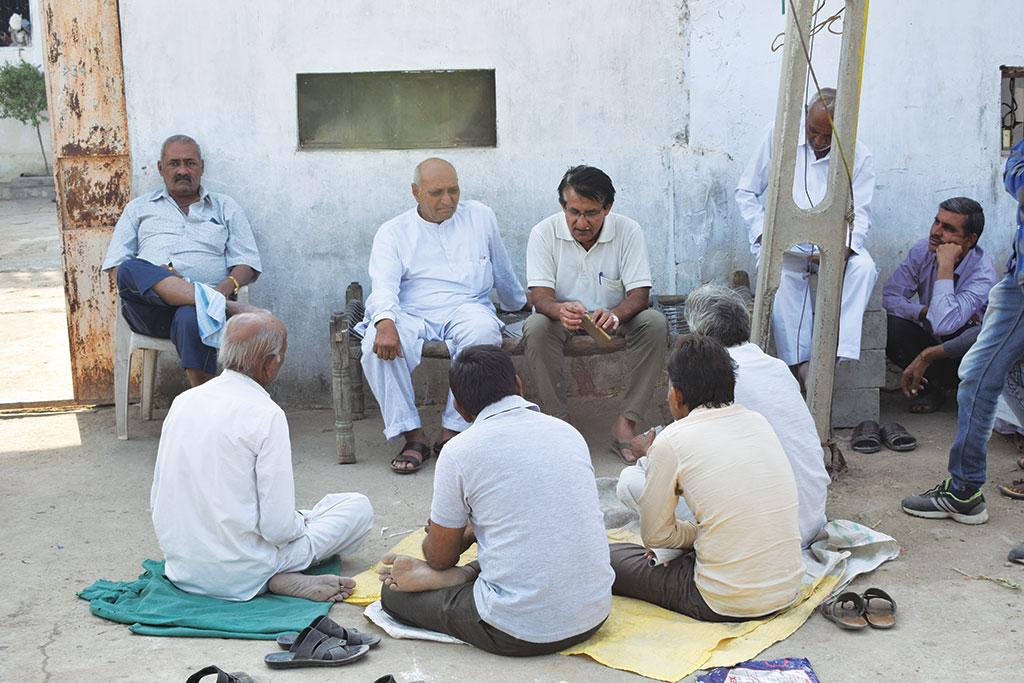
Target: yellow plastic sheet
{"points": [[646, 639]]}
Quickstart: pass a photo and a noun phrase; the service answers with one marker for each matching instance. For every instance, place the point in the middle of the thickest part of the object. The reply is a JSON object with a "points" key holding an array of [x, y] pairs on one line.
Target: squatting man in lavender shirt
{"points": [[935, 300]]}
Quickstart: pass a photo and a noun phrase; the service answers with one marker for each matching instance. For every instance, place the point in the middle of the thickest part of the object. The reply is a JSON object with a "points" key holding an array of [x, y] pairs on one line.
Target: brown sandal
{"points": [[846, 610], [417, 463], [879, 608], [1013, 490]]}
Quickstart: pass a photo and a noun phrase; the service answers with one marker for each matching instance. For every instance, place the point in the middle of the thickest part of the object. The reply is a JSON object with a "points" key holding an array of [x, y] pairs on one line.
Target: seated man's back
{"points": [[765, 385], [212, 438], [526, 482], [736, 479]]}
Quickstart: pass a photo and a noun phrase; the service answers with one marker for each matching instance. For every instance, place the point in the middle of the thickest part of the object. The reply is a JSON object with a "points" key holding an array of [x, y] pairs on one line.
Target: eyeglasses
{"points": [[589, 215]]}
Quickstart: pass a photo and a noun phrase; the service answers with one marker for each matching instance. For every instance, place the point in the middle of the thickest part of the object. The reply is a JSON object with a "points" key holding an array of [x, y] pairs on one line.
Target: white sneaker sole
{"points": [[979, 518]]}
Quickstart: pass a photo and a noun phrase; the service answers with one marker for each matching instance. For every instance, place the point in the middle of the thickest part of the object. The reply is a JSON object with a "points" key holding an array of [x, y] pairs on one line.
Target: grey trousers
{"points": [[670, 586], [453, 611], [646, 349]]}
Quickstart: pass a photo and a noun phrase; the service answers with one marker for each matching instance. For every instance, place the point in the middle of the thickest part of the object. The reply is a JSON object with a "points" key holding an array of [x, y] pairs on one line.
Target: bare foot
{"points": [[409, 575], [321, 588], [641, 443]]}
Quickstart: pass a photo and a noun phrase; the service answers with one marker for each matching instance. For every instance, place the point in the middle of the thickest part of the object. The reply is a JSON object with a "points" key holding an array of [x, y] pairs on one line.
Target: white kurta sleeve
{"points": [[863, 192], [750, 191], [511, 295], [385, 276], [279, 521]]}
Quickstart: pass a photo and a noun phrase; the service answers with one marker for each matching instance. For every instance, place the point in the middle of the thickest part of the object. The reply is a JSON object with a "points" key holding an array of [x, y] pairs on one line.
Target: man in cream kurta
{"points": [[792, 314], [432, 269], [586, 260]]}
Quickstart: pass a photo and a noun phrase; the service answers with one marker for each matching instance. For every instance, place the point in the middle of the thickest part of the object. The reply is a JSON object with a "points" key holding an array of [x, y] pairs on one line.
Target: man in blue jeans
{"points": [[982, 375], [171, 238]]}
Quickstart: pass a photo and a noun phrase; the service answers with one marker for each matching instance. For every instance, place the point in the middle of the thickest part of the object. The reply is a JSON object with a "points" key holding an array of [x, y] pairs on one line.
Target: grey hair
{"points": [[825, 98], [718, 312], [248, 354], [182, 138], [417, 173]]}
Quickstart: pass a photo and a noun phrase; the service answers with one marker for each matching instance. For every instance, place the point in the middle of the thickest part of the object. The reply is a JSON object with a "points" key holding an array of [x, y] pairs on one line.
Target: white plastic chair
{"points": [[126, 343]]}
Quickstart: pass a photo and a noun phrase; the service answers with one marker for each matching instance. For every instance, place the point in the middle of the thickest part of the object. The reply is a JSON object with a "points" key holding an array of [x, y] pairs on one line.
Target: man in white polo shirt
{"points": [[588, 260]]}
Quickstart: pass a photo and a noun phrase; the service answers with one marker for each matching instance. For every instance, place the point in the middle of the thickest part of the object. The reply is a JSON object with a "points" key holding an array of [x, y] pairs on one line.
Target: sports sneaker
{"points": [[940, 503], [1017, 554]]}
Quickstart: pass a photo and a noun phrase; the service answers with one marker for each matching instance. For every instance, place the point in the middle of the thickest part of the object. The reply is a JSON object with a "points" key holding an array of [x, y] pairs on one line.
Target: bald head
{"points": [[254, 344], [435, 186], [818, 121]]}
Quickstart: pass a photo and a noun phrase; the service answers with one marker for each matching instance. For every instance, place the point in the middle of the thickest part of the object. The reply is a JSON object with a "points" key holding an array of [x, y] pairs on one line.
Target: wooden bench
{"points": [[347, 373]]}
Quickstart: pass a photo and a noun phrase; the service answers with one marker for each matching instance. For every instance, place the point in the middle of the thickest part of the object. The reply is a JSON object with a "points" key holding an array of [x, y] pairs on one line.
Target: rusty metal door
{"points": [[92, 169]]}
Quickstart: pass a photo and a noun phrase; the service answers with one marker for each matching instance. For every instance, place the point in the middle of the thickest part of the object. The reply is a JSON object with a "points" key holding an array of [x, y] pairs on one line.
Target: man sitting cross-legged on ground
{"points": [[763, 384], [521, 485], [743, 549], [950, 277], [223, 496]]}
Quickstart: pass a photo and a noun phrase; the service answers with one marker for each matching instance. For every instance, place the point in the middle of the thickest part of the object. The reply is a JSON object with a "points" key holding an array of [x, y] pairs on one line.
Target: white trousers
{"points": [[793, 315], [391, 380], [337, 525], [631, 486]]}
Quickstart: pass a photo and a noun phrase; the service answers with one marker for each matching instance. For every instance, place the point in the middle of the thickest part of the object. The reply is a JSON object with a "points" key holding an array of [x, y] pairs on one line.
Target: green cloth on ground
{"points": [[153, 606]]}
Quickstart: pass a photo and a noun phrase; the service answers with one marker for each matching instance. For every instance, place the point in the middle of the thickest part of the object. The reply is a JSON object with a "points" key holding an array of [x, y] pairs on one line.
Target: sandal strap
{"points": [[877, 594]]}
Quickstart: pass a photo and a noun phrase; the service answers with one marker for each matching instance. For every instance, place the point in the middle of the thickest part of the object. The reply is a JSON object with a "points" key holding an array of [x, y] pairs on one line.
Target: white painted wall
{"points": [[670, 98], [19, 145]]}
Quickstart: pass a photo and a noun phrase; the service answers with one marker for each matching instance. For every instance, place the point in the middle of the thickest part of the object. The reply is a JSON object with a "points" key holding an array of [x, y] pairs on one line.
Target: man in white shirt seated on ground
{"points": [[432, 269], [764, 385], [520, 485], [792, 314], [223, 495], [741, 555]]}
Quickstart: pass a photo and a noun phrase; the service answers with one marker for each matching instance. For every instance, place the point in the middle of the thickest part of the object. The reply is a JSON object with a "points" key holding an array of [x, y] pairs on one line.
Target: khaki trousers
{"points": [[646, 348]]}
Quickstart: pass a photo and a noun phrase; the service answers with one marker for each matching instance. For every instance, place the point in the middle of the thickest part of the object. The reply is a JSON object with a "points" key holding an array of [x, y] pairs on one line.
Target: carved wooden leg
{"points": [[343, 431]]}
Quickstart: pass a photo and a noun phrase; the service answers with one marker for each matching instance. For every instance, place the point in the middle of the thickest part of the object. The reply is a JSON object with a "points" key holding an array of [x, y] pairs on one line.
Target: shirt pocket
{"points": [[479, 274], [209, 237]]}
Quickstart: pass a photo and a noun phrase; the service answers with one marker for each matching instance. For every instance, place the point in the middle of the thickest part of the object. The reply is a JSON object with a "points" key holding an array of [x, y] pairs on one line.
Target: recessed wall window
{"points": [[1012, 109], [397, 110]]}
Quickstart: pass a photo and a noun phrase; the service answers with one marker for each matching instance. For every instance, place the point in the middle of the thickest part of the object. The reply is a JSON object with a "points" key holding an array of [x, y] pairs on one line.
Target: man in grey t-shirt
{"points": [[520, 485]]}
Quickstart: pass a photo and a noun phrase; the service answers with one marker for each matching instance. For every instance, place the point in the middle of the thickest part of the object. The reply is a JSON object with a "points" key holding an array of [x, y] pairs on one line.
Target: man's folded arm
{"points": [[124, 242]]}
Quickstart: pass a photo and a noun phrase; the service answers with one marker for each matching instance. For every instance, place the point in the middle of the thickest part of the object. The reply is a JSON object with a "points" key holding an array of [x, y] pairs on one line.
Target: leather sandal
{"points": [[879, 608], [417, 463], [846, 610], [1013, 490], [222, 676], [897, 438], [313, 648], [330, 627], [865, 438]]}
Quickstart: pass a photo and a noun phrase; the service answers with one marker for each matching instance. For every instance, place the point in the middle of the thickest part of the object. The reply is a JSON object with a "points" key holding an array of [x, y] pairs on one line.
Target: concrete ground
{"points": [[75, 503], [34, 335]]}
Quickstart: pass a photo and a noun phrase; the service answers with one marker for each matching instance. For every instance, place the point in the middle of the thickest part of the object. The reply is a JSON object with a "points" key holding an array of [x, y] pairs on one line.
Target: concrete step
{"points": [[28, 187]]}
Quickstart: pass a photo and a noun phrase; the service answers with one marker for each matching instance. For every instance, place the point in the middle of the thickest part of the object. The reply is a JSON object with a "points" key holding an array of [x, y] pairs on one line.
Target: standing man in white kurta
{"points": [[432, 270], [223, 495], [792, 315], [586, 260]]}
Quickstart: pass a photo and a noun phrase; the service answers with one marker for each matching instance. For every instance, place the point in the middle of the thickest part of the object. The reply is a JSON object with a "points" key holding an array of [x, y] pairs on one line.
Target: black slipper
{"points": [[330, 627], [222, 676], [866, 437], [897, 438], [314, 649]]}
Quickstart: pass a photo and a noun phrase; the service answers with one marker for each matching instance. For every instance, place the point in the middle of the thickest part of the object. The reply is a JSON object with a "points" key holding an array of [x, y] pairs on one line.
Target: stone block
{"points": [[875, 300], [868, 372], [852, 406], [873, 333]]}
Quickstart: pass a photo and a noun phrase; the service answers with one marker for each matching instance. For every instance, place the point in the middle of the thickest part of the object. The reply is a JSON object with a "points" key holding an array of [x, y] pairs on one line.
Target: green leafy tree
{"points": [[23, 97]]}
